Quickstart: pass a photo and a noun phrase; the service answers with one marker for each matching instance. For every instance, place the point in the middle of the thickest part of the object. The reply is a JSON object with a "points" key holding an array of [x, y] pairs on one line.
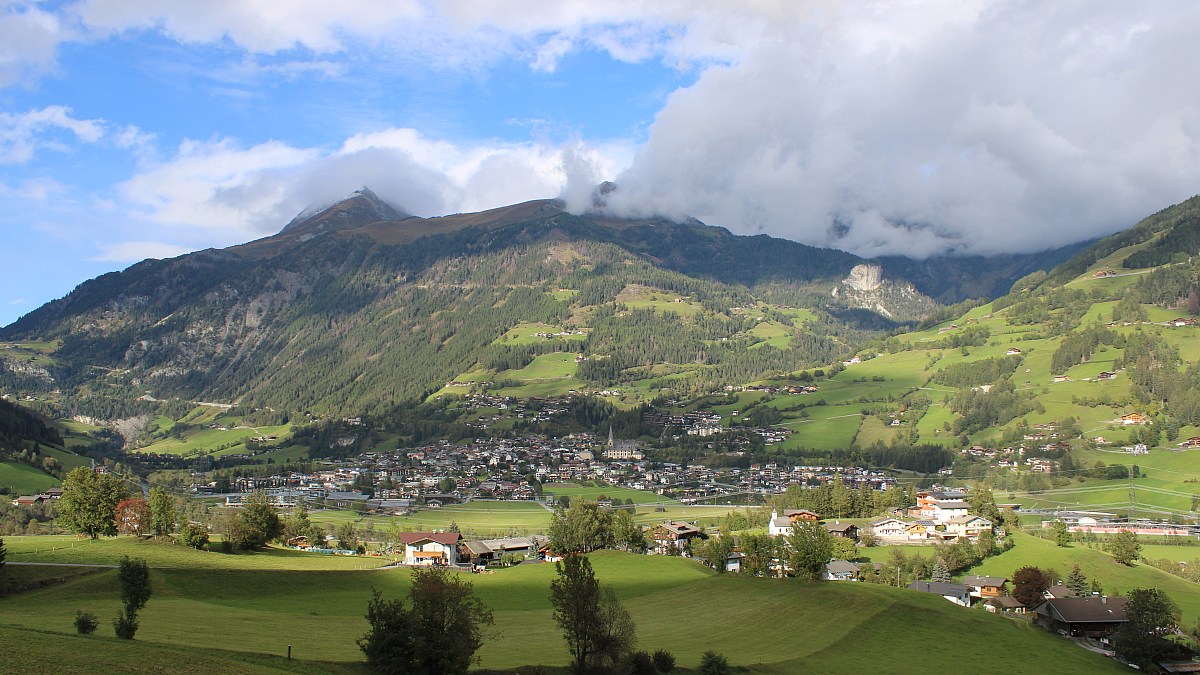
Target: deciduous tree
{"points": [[88, 504], [133, 516], [1060, 533], [811, 549], [1125, 547], [162, 512], [1029, 586], [133, 574], [1151, 616], [598, 630], [580, 528]]}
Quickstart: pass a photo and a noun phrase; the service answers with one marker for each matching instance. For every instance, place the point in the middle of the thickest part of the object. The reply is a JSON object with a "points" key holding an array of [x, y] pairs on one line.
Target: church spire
{"points": [[611, 442]]}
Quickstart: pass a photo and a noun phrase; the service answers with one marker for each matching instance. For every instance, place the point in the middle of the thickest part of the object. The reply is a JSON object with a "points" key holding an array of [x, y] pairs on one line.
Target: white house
{"points": [[968, 526], [888, 528], [944, 512], [430, 548], [779, 526]]}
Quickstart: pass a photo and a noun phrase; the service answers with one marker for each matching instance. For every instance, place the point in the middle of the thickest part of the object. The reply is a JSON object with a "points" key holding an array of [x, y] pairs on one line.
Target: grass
{"points": [[1096, 564], [69, 549], [475, 518], [547, 366], [210, 440], [612, 492], [22, 479], [677, 605]]}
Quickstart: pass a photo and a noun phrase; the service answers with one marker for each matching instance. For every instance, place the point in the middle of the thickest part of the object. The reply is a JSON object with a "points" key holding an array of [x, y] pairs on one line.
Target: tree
{"points": [[664, 661], [253, 525], [597, 628], [133, 516], [716, 552], [162, 512], [88, 504], [1077, 582], [1151, 616], [940, 571], [1029, 585], [439, 633], [1125, 547], [1060, 533], [843, 548], [627, 534], [580, 528], [133, 574], [759, 552], [983, 503], [812, 548]]}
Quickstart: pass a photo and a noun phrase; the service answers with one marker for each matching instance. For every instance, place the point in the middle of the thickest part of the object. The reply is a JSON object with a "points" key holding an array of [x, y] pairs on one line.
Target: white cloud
{"points": [[135, 251], [29, 38], [22, 134], [237, 192]]}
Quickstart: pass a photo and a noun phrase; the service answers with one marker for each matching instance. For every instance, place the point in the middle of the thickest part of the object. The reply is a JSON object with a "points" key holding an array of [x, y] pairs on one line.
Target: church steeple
{"points": [[611, 442]]}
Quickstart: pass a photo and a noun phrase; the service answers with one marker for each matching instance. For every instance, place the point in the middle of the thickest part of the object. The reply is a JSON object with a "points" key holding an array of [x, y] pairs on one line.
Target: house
{"points": [[1193, 442], [674, 534], [956, 593], [845, 530], [985, 587], [797, 515], [1097, 616], [430, 548], [1107, 375], [944, 512], [968, 526], [1004, 604], [29, 500], [1133, 418], [888, 528], [841, 570], [1013, 351], [733, 562]]}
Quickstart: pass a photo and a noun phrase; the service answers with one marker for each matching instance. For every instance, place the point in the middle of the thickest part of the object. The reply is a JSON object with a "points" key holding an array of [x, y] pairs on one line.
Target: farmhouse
{"points": [[430, 548], [674, 534], [1134, 418], [1096, 616], [844, 530], [888, 528], [985, 587], [959, 594], [841, 570], [968, 526]]}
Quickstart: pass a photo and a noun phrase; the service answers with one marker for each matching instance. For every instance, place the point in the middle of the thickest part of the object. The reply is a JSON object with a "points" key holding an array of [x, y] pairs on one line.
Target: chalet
{"points": [[733, 562], [1004, 604], [674, 534], [968, 526], [841, 570], [797, 515], [1133, 418], [1107, 375], [1193, 442], [1062, 378], [888, 528], [1095, 617], [29, 500], [844, 530], [430, 548], [985, 587], [1013, 351], [959, 594]]}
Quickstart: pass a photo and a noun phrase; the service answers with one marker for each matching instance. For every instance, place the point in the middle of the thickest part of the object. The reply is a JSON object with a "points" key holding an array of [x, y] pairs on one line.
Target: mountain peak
{"points": [[361, 207]]}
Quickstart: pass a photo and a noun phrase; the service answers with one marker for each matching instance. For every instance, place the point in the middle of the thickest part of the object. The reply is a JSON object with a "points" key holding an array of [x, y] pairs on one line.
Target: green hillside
{"points": [[677, 605]]}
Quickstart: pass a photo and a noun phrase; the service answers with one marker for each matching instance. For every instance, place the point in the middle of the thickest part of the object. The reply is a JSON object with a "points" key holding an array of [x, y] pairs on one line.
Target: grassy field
{"points": [[677, 605], [1096, 564], [68, 549], [482, 518], [612, 492], [22, 479]]}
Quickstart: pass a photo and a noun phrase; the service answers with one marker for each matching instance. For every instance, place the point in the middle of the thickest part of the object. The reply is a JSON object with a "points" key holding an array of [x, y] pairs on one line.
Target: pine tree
{"points": [[940, 571], [1077, 581]]}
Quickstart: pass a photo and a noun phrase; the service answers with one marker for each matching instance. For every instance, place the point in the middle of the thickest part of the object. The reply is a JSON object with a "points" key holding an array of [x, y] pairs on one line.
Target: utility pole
{"points": [[1132, 499]]}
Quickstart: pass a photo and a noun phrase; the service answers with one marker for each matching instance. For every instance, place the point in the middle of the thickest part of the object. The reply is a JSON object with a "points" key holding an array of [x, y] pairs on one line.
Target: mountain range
{"points": [[357, 306]]}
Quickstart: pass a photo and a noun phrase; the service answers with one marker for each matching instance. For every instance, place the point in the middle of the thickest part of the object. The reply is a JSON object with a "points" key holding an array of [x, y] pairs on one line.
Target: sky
{"points": [[150, 128]]}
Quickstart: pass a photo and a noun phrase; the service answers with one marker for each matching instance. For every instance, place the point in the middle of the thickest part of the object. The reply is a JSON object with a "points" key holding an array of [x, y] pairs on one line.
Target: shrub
{"points": [[664, 661], [193, 535], [713, 663], [125, 625], [640, 663], [85, 622]]}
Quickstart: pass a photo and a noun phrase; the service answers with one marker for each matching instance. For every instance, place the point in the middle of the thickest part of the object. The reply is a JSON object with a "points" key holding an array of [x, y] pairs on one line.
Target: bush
{"points": [[125, 625], [640, 663], [193, 535], [713, 663], [86, 622], [664, 661]]}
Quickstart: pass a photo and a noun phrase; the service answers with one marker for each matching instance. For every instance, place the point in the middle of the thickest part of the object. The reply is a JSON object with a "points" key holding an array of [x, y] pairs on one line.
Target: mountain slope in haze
{"points": [[356, 306]]}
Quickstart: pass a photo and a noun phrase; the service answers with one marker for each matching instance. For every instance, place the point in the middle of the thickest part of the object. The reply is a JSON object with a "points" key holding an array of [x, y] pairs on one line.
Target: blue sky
{"points": [[150, 128]]}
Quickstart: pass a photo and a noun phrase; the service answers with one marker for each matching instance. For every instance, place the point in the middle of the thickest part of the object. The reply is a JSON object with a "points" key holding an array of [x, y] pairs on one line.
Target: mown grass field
{"points": [[210, 440], [479, 517], [22, 479], [677, 605]]}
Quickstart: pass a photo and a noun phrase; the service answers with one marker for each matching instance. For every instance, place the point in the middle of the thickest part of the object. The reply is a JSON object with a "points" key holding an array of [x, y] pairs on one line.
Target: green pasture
{"points": [[22, 479], [207, 440], [547, 366], [69, 549], [526, 334], [874, 430], [611, 491], [477, 518], [772, 334], [830, 426], [1096, 564], [676, 604], [1178, 553]]}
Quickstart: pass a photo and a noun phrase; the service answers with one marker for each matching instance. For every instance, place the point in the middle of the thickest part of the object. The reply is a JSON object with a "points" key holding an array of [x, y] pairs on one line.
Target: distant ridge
{"points": [[361, 207]]}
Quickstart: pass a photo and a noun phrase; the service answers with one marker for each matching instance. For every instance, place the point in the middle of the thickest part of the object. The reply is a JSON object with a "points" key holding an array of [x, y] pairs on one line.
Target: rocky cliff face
{"points": [[866, 288]]}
